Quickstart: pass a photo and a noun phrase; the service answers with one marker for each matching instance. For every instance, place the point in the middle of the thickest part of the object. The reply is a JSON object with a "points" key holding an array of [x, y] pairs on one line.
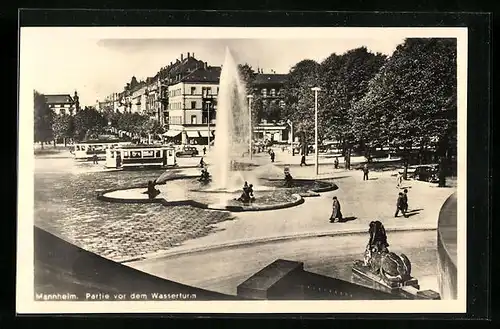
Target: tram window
{"points": [[112, 154], [125, 154], [148, 154], [169, 153], [158, 154], [135, 154], [78, 147]]}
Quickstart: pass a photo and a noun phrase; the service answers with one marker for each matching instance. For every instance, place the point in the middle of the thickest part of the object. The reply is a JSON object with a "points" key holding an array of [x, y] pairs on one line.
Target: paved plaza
{"points": [[362, 202], [153, 230]]}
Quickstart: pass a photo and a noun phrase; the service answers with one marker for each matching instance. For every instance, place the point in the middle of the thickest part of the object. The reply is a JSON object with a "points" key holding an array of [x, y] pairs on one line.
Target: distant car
{"points": [[187, 151], [426, 173]]}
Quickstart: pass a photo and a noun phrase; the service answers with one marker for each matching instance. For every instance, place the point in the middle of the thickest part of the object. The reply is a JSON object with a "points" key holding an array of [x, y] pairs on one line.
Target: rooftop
{"points": [[264, 78], [211, 74], [59, 99]]}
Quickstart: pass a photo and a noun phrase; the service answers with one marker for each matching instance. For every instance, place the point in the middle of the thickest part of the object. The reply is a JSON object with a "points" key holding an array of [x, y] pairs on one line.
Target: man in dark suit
{"points": [[400, 205]]}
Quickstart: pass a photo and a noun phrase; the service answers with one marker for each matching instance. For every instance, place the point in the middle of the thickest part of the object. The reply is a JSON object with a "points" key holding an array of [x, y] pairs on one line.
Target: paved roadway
{"points": [[224, 269]]}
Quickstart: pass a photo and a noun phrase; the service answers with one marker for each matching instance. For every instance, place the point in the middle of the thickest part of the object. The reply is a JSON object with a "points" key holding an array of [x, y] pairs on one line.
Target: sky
{"points": [[100, 61]]}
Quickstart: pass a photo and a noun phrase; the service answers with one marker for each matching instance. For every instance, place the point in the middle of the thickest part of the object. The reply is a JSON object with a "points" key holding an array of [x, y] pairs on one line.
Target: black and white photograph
{"points": [[242, 170]]}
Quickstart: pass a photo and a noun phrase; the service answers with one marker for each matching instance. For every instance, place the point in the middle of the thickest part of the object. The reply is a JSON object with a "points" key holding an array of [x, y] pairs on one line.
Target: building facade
{"points": [[63, 104], [182, 96], [192, 106], [268, 88]]}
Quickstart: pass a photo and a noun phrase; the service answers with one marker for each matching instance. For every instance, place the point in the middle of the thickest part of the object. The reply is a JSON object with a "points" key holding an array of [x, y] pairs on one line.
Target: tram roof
{"points": [[102, 141], [144, 146]]}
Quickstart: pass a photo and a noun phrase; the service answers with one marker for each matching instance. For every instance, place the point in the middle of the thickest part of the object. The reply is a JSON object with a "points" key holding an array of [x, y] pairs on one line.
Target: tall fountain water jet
{"points": [[232, 127]]}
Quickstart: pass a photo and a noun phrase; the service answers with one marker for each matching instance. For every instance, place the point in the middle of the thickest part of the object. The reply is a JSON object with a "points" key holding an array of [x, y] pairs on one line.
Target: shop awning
{"points": [[192, 134], [204, 133], [172, 133]]}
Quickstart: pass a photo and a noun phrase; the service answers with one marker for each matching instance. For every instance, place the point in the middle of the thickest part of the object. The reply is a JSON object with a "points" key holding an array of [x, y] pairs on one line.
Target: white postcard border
{"points": [[25, 302]]}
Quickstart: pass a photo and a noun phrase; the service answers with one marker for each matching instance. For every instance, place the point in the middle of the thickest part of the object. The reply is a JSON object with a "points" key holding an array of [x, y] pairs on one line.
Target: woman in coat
{"points": [[336, 212]]}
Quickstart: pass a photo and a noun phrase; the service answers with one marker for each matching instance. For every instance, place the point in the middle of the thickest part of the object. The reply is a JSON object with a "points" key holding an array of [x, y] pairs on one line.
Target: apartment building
{"points": [[269, 86], [192, 106], [63, 104]]}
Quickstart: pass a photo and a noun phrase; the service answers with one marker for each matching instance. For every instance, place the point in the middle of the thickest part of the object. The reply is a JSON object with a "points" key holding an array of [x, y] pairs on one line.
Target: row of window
{"points": [[175, 106], [175, 92], [193, 91], [177, 120], [272, 92], [178, 106]]}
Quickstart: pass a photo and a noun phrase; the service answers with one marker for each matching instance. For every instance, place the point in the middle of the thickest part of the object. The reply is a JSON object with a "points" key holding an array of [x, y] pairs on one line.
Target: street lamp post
{"points": [[291, 135], [316, 164], [250, 123], [208, 123]]}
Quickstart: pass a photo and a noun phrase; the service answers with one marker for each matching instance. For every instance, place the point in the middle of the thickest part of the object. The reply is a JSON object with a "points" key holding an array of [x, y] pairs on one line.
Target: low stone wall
{"points": [[446, 248], [63, 268]]}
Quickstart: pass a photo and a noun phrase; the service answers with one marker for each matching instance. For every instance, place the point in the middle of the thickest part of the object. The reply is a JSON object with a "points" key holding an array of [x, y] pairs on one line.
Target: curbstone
{"points": [[249, 242]]}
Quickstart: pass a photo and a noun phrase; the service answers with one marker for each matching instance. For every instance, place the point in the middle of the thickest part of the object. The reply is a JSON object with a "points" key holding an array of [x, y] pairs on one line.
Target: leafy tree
{"points": [[272, 111], [43, 119], [63, 127], [344, 80], [414, 97], [299, 99], [88, 123], [247, 75]]}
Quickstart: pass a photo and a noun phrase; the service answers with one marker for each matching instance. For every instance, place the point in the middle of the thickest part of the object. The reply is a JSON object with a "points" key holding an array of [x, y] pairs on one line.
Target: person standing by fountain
{"points": [[336, 212], [336, 163]]}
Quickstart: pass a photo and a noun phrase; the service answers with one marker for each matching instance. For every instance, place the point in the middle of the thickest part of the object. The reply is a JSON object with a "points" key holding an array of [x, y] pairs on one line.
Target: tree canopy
{"points": [[298, 97], [43, 119], [412, 100]]}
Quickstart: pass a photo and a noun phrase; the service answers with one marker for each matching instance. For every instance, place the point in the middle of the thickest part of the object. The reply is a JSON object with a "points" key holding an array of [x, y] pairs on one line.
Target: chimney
{"points": [[188, 54], [182, 57], [205, 65], [192, 55]]}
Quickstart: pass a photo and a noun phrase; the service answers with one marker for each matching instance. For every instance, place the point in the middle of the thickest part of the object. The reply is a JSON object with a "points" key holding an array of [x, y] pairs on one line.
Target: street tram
{"points": [[85, 151], [140, 156]]}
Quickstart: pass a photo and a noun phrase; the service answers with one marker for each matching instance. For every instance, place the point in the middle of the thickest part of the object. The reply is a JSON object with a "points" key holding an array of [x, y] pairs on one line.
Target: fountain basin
{"points": [[187, 191]]}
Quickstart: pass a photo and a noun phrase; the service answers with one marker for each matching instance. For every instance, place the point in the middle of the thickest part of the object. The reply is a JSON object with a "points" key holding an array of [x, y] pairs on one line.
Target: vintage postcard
{"points": [[242, 170]]}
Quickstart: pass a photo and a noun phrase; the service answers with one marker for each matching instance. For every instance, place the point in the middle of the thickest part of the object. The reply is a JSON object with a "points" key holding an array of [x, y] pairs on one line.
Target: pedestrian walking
{"points": [[365, 172], [336, 163], [405, 198], [272, 155], [118, 160], [336, 212], [303, 160], [400, 205], [204, 150], [95, 159], [399, 179]]}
